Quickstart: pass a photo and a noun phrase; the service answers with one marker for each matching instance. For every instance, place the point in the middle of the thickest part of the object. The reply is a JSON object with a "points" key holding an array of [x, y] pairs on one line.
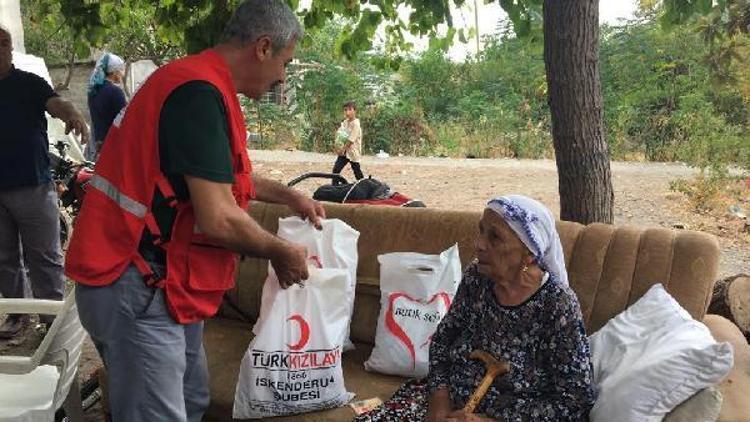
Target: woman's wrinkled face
{"points": [[117, 76], [501, 254]]}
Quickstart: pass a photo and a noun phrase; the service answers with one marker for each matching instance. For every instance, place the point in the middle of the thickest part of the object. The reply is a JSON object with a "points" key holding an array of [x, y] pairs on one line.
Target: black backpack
{"points": [[363, 189]]}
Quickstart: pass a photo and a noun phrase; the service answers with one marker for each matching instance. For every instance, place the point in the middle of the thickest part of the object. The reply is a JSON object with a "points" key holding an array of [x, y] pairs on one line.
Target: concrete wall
{"points": [[10, 17]]}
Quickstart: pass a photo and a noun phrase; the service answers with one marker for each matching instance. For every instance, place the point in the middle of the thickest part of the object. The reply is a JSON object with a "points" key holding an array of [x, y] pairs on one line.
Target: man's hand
{"points": [[78, 126], [274, 192], [308, 208], [226, 224], [66, 112], [290, 264]]}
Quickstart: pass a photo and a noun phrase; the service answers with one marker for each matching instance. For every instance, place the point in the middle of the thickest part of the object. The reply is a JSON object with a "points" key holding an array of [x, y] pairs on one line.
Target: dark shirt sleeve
{"points": [[452, 325], [194, 136], [570, 395], [40, 90]]}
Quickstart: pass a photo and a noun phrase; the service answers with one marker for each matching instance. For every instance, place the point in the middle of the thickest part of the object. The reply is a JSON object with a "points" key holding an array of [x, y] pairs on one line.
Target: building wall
{"points": [[10, 17]]}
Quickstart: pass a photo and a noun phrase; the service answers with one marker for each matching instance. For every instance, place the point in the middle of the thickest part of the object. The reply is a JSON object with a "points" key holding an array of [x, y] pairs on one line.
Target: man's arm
{"points": [[274, 192], [66, 112], [219, 218]]}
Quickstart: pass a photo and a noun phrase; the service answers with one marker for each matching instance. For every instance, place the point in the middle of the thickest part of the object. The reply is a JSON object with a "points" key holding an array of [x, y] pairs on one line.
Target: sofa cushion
{"points": [[734, 389], [226, 341], [703, 406], [609, 267]]}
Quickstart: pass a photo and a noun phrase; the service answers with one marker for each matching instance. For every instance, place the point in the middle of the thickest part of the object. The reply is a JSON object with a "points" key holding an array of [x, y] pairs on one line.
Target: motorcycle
{"points": [[70, 179]]}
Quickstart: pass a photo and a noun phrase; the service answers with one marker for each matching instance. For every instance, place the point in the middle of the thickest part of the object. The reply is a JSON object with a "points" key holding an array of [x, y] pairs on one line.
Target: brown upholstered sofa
{"points": [[609, 268]]}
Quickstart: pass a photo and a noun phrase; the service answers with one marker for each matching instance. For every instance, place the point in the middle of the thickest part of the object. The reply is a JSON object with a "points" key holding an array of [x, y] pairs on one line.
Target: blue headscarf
{"points": [[108, 63]]}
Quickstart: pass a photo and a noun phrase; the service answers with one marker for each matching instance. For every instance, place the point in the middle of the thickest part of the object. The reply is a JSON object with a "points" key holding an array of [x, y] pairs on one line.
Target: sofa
{"points": [[609, 268]]}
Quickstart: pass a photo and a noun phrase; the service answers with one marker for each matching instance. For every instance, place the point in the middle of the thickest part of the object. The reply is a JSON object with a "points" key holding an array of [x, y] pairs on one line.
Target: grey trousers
{"points": [[156, 368], [30, 235]]}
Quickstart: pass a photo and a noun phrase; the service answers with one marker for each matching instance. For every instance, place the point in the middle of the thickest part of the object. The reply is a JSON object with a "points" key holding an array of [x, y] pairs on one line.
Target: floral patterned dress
{"points": [[543, 339]]}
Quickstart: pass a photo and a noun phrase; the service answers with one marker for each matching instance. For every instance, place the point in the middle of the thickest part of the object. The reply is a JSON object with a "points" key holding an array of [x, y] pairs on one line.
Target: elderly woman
{"points": [[105, 98], [514, 302]]}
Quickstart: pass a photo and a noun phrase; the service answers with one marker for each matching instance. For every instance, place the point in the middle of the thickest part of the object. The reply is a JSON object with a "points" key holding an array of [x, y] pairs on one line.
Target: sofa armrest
{"points": [[736, 386]]}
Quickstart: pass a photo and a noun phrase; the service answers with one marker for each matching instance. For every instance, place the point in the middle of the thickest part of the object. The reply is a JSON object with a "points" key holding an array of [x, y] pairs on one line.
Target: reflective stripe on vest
{"points": [[125, 202]]}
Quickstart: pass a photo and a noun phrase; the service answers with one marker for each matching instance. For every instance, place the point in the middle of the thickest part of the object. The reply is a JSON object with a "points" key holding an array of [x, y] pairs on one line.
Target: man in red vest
{"points": [[155, 245]]}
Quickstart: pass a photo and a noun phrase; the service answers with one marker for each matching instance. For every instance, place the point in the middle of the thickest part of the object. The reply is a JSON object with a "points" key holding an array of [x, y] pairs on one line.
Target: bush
{"points": [[396, 129], [275, 126], [704, 192]]}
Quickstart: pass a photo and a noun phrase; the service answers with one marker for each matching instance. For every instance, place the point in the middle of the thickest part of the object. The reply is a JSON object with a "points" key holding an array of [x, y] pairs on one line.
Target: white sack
{"points": [[335, 246], [293, 365], [416, 292]]}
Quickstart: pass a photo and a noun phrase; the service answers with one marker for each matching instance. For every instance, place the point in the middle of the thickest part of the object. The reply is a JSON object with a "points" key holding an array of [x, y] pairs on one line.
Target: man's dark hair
{"points": [[350, 105], [5, 30]]}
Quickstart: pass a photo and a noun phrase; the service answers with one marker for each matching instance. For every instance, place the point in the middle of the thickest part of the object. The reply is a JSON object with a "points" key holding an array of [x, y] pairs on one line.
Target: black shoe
{"points": [[13, 325], [46, 320]]}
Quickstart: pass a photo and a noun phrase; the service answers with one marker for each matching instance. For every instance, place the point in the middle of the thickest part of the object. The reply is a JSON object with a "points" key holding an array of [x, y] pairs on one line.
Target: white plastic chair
{"points": [[33, 388]]}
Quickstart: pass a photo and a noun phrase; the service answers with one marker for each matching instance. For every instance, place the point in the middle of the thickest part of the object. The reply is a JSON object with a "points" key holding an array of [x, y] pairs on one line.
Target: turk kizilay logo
{"points": [[307, 371]]}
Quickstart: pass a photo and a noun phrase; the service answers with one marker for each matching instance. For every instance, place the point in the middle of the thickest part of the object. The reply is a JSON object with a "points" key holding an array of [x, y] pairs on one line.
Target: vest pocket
{"points": [[211, 268]]}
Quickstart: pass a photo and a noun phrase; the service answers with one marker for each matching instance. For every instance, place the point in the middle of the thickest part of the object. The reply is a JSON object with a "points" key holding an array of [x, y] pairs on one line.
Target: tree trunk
{"points": [[571, 57], [71, 65], [731, 299]]}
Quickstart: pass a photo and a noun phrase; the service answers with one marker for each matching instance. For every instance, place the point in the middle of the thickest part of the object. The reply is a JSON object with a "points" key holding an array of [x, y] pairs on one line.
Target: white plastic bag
{"points": [[335, 246], [293, 365], [416, 292]]}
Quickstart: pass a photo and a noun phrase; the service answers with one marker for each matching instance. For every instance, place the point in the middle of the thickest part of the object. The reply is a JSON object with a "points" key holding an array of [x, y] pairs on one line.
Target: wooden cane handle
{"points": [[479, 393], [494, 372]]}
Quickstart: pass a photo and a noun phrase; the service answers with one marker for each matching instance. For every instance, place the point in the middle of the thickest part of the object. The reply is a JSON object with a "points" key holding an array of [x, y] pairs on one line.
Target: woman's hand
{"points": [[437, 416], [461, 416], [439, 406]]}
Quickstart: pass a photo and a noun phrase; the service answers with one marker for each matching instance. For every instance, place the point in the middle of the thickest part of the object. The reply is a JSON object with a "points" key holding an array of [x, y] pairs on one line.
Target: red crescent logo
{"points": [[304, 328]]}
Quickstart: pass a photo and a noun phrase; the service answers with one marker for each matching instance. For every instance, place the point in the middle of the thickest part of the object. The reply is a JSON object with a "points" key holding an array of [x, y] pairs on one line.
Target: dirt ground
{"points": [[642, 190], [642, 198]]}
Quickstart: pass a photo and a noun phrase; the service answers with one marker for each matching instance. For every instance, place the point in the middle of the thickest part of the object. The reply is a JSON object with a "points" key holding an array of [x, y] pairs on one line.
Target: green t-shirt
{"points": [[193, 141]]}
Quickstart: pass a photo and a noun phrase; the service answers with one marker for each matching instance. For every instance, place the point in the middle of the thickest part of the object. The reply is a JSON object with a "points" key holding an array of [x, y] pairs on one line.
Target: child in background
{"points": [[348, 145]]}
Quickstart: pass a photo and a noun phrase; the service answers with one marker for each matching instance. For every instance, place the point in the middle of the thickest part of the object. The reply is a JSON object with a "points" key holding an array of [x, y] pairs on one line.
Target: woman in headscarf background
{"points": [[514, 303], [105, 98]]}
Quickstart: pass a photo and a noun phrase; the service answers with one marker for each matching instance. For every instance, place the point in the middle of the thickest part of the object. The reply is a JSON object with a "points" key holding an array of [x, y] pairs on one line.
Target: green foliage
{"points": [[324, 87], [134, 32], [55, 30], [661, 98], [197, 24], [48, 34], [704, 191], [276, 126], [397, 128], [680, 94], [662, 101]]}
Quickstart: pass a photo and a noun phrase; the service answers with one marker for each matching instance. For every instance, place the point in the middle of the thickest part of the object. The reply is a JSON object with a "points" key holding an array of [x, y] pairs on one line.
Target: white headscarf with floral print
{"points": [[534, 224]]}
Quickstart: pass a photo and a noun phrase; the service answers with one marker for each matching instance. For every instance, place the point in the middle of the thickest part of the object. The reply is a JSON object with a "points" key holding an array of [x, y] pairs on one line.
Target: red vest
{"points": [[118, 200]]}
